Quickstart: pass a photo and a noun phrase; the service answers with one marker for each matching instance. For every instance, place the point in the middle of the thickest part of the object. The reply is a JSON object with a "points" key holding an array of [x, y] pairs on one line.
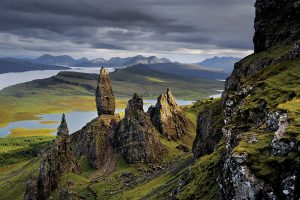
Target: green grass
{"points": [[23, 132], [13, 182], [203, 178], [18, 149], [156, 80]]}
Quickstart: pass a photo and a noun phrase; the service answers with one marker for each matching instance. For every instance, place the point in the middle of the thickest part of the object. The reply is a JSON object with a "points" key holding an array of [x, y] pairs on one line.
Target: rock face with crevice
{"points": [[168, 118], [105, 99], [136, 137], [57, 161]]}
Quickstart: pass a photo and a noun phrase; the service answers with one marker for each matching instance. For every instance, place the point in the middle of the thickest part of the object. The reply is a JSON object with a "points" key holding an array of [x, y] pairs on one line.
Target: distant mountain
{"points": [[118, 62], [10, 65], [58, 60], [225, 64], [183, 70]]}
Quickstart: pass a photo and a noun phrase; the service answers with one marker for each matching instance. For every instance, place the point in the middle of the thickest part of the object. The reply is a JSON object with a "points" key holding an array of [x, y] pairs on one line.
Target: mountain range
{"points": [[118, 62], [225, 64], [49, 62]]}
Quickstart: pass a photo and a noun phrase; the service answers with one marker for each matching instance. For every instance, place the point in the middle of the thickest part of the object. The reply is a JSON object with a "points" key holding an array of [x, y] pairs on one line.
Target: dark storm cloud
{"points": [[130, 24]]}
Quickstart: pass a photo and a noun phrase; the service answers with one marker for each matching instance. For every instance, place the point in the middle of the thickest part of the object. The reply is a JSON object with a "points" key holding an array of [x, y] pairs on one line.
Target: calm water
{"points": [[75, 120], [13, 78]]}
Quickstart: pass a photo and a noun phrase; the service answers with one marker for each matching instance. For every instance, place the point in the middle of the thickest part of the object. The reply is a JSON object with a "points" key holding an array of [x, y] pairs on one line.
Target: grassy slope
{"points": [[279, 86]]}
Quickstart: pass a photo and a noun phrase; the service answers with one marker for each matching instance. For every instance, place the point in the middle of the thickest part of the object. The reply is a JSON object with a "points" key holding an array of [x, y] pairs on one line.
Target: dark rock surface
{"points": [[105, 99], [168, 118], [209, 130], [58, 160], [94, 140], [295, 51], [136, 137], [277, 21]]}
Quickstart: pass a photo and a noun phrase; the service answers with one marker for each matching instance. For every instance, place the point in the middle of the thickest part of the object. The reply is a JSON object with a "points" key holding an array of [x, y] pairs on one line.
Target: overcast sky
{"points": [[181, 30]]}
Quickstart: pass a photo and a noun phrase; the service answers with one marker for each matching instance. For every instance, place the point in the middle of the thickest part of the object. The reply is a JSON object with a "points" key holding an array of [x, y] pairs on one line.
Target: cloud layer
{"points": [[180, 29]]}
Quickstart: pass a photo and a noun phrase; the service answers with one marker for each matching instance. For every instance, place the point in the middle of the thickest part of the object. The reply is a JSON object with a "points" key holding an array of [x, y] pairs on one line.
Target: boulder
{"points": [[136, 137], [105, 99], [168, 118]]}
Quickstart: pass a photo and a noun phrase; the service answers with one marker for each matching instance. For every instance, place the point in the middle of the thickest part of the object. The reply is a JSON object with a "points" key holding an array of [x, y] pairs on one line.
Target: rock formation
{"points": [[58, 160], [105, 99], [277, 21], [136, 137], [94, 140], [209, 129], [168, 118]]}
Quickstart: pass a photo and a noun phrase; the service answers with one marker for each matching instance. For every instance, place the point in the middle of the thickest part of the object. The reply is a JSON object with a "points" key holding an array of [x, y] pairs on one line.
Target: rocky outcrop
{"points": [[57, 161], [105, 99], [94, 141], [136, 137], [209, 129], [168, 118], [276, 21], [295, 51]]}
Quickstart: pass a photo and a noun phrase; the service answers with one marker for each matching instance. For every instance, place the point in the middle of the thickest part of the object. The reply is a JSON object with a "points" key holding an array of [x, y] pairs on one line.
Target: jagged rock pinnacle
{"points": [[105, 99], [63, 127], [168, 117]]}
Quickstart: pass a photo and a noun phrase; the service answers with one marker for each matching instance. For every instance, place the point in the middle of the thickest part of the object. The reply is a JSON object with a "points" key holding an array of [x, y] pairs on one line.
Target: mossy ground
{"points": [[203, 178], [278, 86]]}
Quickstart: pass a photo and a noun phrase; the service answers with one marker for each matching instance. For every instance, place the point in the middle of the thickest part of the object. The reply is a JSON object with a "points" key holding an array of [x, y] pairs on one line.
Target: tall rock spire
{"points": [[63, 127], [105, 99]]}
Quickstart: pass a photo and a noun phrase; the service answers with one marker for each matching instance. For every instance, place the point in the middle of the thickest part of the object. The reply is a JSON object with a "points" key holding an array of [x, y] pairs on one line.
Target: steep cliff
{"points": [[209, 129], [276, 22], [105, 99], [168, 118], [57, 161], [136, 137], [260, 104]]}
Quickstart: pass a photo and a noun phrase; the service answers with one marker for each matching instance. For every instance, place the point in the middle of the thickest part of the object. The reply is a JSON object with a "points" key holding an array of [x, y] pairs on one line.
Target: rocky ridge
{"points": [[168, 118]]}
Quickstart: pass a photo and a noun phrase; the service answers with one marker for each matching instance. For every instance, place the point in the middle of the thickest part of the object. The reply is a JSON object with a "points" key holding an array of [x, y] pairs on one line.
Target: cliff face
{"points": [[209, 129], [136, 137], [105, 99], [94, 140], [260, 131], [168, 117], [58, 160], [276, 21]]}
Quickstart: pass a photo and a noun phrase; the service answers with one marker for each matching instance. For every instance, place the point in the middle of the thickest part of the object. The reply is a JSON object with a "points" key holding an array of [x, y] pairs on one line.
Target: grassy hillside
{"points": [[71, 91]]}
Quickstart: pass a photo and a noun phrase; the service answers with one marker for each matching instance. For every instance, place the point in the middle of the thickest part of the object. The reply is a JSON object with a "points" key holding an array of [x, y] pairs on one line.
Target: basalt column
{"points": [[105, 99]]}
